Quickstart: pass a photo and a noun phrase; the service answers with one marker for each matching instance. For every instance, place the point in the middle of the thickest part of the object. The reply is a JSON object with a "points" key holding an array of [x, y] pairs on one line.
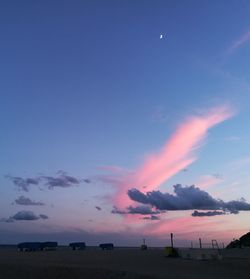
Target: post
{"points": [[172, 243], [200, 243]]}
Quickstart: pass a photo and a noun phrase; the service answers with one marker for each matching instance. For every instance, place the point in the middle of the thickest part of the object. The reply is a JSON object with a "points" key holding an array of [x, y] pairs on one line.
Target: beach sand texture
{"points": [[119, 263]]}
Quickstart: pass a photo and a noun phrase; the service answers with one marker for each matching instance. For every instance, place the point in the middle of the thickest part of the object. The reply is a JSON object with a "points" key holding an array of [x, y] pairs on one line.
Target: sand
{"points": [[120, 263]]}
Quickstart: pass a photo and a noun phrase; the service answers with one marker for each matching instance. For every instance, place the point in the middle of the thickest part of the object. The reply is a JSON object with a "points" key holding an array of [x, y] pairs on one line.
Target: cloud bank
{"points": [[187, 198], [23, 184], [208, 213], [152, 218], [141, 210], [27, 201], [24, 216], [61, 180]]}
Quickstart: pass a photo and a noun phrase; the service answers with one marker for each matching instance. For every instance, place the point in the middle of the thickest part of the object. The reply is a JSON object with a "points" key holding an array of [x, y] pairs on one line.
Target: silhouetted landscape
{"points": [[109, 262]]}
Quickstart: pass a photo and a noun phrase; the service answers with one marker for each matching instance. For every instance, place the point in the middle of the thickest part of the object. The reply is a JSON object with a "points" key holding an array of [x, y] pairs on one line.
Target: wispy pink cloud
{"points": [[238, 43], [177, 153]]}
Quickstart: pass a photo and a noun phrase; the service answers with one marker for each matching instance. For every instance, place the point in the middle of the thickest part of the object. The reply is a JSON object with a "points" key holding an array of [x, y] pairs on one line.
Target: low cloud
{"points": [[24, 216], [23, 184], [98, 208], [207, 213], [43, 216], [86, 180], [116, 210], [187, 198], [63, 181], [152, 217], [141, 209], [27, 201]]}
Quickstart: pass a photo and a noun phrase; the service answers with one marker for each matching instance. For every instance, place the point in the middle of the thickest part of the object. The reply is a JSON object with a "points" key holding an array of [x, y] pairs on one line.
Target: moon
{"points": [[161, 36]]}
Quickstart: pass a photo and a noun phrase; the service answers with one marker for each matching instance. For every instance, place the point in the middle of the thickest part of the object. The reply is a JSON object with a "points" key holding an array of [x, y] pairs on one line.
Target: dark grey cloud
{"points": [[43, 216], [27, 201], [7, 220], [24, 216], [186, 198], [86, 180], [62, 180], [23, 183], [98, 208], [207, 213], [141, 209], [116, 210], [152, 217]]}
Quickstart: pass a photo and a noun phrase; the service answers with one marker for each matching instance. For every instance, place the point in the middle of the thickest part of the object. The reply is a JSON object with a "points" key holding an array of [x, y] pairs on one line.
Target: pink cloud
{"points": [[179, 151], [242, 40]]}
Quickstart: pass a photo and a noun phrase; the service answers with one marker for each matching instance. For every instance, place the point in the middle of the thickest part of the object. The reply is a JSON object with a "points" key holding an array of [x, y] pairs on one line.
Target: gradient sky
{"points": [[92, 100]]}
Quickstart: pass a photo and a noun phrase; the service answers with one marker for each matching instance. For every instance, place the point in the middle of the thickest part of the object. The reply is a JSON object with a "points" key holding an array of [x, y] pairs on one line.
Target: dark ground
{"points": [[120, 263]]}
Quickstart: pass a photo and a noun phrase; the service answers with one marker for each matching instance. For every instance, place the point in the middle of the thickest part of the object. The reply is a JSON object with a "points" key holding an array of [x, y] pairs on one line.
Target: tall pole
{"points": [[200, 243], [172, 243]]}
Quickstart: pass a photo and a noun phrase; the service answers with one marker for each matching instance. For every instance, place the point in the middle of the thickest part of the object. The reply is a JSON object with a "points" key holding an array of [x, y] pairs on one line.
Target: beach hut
{"points": [[49, 246], [29, 246], [77, 245], [107, 246]]}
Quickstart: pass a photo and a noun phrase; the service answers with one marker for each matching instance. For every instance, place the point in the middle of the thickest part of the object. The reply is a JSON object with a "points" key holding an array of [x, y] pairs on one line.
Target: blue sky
{"points": [[86, 84]]}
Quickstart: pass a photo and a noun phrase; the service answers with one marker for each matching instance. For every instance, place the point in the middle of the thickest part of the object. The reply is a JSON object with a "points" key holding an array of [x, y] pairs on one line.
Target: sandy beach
{"points": [[120, 263]]}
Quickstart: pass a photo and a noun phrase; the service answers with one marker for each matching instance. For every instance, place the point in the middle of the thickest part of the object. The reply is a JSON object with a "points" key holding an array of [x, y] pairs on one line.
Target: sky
{"points": [[124, 120]]}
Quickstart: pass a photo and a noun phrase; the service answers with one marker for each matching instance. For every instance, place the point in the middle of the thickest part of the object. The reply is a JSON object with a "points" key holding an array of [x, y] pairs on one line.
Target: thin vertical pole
{"points": [[200, 243], [172, 243]]}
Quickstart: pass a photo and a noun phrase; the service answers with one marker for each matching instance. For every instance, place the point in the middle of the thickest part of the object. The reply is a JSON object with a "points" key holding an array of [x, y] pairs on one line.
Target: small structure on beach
{"points": [[107, 246], [170, 251], [29, 246], [49, 246], [37, 246], [77, 245]]}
